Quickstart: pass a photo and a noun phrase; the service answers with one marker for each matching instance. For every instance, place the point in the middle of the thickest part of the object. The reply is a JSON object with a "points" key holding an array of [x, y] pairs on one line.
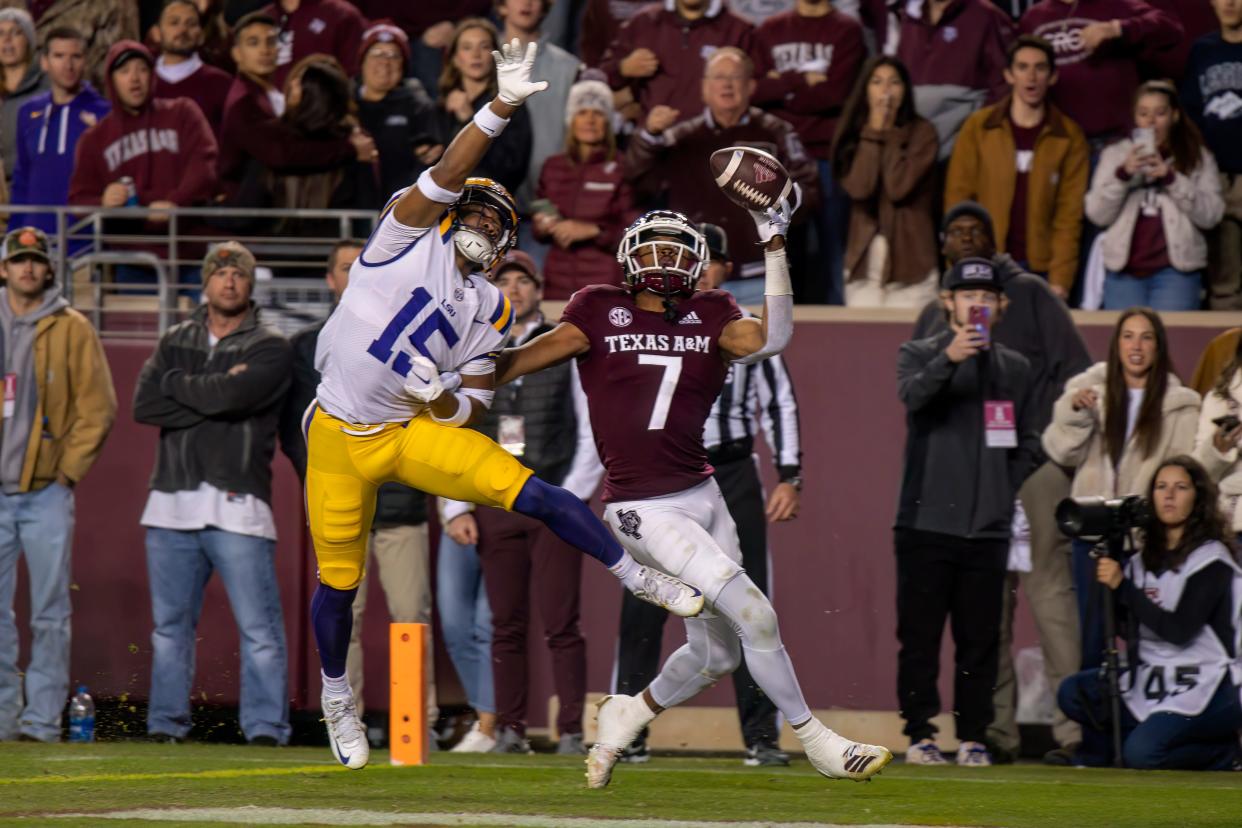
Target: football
{"points": [[751, 178]]}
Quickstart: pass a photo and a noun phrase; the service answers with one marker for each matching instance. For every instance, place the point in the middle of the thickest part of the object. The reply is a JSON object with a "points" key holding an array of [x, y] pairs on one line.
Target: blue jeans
{"points": [[1086, 591], [832, 224], [40, 526], [466, 621], [1169, 289], [1166, 741], [179, 564]]}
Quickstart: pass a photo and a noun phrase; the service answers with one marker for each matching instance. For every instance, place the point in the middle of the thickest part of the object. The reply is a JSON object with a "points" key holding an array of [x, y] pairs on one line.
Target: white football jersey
{"points": [[405, 298]]}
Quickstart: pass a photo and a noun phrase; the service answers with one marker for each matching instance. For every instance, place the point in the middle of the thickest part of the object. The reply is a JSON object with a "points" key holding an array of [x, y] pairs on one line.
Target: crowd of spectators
{"points": [[887, 114]]}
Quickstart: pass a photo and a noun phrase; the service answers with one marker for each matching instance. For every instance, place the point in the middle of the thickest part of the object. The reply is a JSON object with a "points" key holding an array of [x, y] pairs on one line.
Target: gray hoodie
{"points": [[18, 358], [32, 83]]}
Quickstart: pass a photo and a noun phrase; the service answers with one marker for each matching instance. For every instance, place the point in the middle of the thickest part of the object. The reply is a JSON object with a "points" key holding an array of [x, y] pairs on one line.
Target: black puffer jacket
{"points": [[216, 427]]}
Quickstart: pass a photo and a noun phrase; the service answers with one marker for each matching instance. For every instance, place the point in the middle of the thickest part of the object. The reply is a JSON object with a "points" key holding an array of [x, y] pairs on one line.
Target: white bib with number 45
{"points": [[1182, 679]]}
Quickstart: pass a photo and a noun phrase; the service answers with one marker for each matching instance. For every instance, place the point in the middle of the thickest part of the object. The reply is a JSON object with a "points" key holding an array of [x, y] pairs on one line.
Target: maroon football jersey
{"points": [[650, 385]]}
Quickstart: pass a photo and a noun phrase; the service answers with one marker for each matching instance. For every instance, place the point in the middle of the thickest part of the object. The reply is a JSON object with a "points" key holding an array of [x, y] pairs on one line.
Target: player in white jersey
{"points": [[407, 359]]}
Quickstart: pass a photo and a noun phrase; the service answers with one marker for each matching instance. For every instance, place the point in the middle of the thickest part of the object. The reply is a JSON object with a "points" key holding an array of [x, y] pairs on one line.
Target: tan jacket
{"points": [[1223, 468], [1190, 206], [76, 404], [1076, 438], [983, 169]]}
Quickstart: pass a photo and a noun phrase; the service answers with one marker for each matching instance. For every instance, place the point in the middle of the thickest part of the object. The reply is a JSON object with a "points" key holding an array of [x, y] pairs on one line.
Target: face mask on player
{"points": [[473, 241], [663, 252]]}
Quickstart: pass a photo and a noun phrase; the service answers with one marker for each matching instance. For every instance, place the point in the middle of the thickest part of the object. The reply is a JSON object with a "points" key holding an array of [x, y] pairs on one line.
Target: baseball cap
{"points": [[973, 274], [228, 254], [25, 241], [523, 262], [717, 241]]}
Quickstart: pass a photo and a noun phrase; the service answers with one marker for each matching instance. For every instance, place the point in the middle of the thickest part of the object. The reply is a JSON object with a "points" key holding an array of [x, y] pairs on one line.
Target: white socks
{"points": [[338, 686], [625, 569]]}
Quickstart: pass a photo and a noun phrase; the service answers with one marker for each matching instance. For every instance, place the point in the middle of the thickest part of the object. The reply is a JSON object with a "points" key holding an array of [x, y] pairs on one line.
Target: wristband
{"points": [[460, 417], [488, 121], [776, 274]]}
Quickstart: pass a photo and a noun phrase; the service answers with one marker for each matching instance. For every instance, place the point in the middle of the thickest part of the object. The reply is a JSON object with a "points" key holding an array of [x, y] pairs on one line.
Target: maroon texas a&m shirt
{"points": [[650, 385]]}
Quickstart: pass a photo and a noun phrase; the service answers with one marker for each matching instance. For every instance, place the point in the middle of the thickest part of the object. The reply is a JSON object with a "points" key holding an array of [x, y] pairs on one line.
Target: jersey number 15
{"points": [[382, 348]]}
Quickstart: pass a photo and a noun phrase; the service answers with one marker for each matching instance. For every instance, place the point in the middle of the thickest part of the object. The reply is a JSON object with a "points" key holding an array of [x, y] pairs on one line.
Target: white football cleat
{"points": [[346, 735], [619, 721], [836, 757], [673, 594], [475, 741]]}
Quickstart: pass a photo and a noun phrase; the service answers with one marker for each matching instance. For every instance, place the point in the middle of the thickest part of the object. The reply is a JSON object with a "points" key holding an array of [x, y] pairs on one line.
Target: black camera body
{"points": [[1098, 517]]}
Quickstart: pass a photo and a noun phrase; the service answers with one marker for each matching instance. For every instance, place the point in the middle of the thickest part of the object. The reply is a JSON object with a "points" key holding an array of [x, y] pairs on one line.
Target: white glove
{"points": [[775, 222], [513, 72], [423, 383]]}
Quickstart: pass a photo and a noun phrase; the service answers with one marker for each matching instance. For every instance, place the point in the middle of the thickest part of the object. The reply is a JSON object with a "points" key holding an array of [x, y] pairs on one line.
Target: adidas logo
{"points": [[859, 763], [690, 318]]}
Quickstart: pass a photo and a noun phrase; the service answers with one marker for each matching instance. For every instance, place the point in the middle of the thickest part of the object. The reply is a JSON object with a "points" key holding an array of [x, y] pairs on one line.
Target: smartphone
{"points": [[1144, 137], [1228, 422], [979, 317], [544, 205]]}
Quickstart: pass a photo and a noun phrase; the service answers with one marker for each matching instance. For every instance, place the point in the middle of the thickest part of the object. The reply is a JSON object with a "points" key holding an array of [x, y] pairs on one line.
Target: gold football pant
{"points": [[346, 464]]}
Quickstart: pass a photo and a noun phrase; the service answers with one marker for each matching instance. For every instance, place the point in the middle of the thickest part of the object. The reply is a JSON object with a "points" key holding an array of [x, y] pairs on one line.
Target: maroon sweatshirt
{"points": [[790, 46], [600, 23], [330, 27], [416, 16], [208, 87], [1197, 19], [252, 130], [682, 46], [595, 192], [166, 146], [1096, 90]]}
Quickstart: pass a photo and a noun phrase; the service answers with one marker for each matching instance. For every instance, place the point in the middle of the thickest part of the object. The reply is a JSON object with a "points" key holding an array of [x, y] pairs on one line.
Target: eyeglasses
{"points": [[967, 232]]}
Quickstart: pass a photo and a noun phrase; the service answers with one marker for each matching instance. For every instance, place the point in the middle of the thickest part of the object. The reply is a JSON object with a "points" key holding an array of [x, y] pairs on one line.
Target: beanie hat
{"points": [[968, 208], [228, 254], [588, 94], [23, 19], [384, 31]]}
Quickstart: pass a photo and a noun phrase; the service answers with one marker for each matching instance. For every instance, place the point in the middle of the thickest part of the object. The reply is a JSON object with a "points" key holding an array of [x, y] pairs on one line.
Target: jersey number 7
{"points": [[382, 348], [668, 386]]}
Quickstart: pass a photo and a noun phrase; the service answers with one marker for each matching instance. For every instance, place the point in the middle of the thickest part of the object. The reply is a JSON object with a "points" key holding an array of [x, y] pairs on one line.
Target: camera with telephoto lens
{"points": [[1098, 517]]}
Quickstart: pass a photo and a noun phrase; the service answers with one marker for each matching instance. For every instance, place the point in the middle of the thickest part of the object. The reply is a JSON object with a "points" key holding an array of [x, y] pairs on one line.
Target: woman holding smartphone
{"points": [[1220, 431], [1178, 604], [1115, 424], [1155, 194], [584, 202]]}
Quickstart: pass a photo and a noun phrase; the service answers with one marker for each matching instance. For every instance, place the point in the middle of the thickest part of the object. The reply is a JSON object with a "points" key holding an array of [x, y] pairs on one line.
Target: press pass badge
{"points": [[512, 434], [10, 395], [1000, 428]]}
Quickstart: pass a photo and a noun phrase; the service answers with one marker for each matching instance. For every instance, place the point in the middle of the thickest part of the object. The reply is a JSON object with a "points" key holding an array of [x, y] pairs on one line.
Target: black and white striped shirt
{"points": [[763, 391]]}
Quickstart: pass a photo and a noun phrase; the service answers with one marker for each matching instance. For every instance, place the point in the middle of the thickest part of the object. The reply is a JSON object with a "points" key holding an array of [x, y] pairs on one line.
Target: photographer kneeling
{"points": [[1178, 603]]}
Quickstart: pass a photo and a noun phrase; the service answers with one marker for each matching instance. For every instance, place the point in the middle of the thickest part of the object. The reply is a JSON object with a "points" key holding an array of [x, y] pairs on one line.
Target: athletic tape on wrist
{"points": [[776, 274], [433, 191], [491, 123], [460, 417]]}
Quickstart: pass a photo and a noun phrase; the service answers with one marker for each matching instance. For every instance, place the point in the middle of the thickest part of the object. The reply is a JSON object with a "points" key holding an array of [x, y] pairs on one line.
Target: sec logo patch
{"points": [[620, 317]]}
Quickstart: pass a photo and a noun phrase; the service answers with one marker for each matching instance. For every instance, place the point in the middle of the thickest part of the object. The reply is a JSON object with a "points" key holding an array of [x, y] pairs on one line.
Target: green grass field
{"points": [[78, 785]]}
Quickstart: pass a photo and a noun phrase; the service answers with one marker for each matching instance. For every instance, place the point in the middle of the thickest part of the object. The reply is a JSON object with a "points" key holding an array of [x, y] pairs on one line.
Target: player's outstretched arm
{"points": [[752, 340], [423, 203], [564, 341]]}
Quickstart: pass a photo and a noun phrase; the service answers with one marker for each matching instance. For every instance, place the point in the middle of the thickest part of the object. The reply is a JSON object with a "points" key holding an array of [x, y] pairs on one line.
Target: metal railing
{"points": [[88, 251]]}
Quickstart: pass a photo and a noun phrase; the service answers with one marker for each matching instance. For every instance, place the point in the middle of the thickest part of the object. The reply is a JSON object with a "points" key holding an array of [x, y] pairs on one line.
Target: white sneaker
{"points": [[475, 741], [665, 591], [620, 719], [346, 734], [973, 755], [836, 757], [925, 753]]}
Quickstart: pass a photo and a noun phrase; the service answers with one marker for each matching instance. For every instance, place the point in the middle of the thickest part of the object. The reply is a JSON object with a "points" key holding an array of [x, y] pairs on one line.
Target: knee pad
{"points": [[340, 572], [496, 476], [756, 620]]}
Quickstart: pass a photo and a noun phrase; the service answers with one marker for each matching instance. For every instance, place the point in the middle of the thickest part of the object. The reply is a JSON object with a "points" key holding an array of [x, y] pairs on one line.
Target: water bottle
{"points": [[128, 181], [82, 716]]}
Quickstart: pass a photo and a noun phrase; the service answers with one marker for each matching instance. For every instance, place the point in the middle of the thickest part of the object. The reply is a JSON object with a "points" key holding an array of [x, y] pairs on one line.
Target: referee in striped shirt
{"points": [[764, 388]]}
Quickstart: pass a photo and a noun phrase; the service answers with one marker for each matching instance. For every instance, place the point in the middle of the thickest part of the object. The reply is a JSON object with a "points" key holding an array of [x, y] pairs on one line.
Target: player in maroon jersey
{"points": [[653, 357]]}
